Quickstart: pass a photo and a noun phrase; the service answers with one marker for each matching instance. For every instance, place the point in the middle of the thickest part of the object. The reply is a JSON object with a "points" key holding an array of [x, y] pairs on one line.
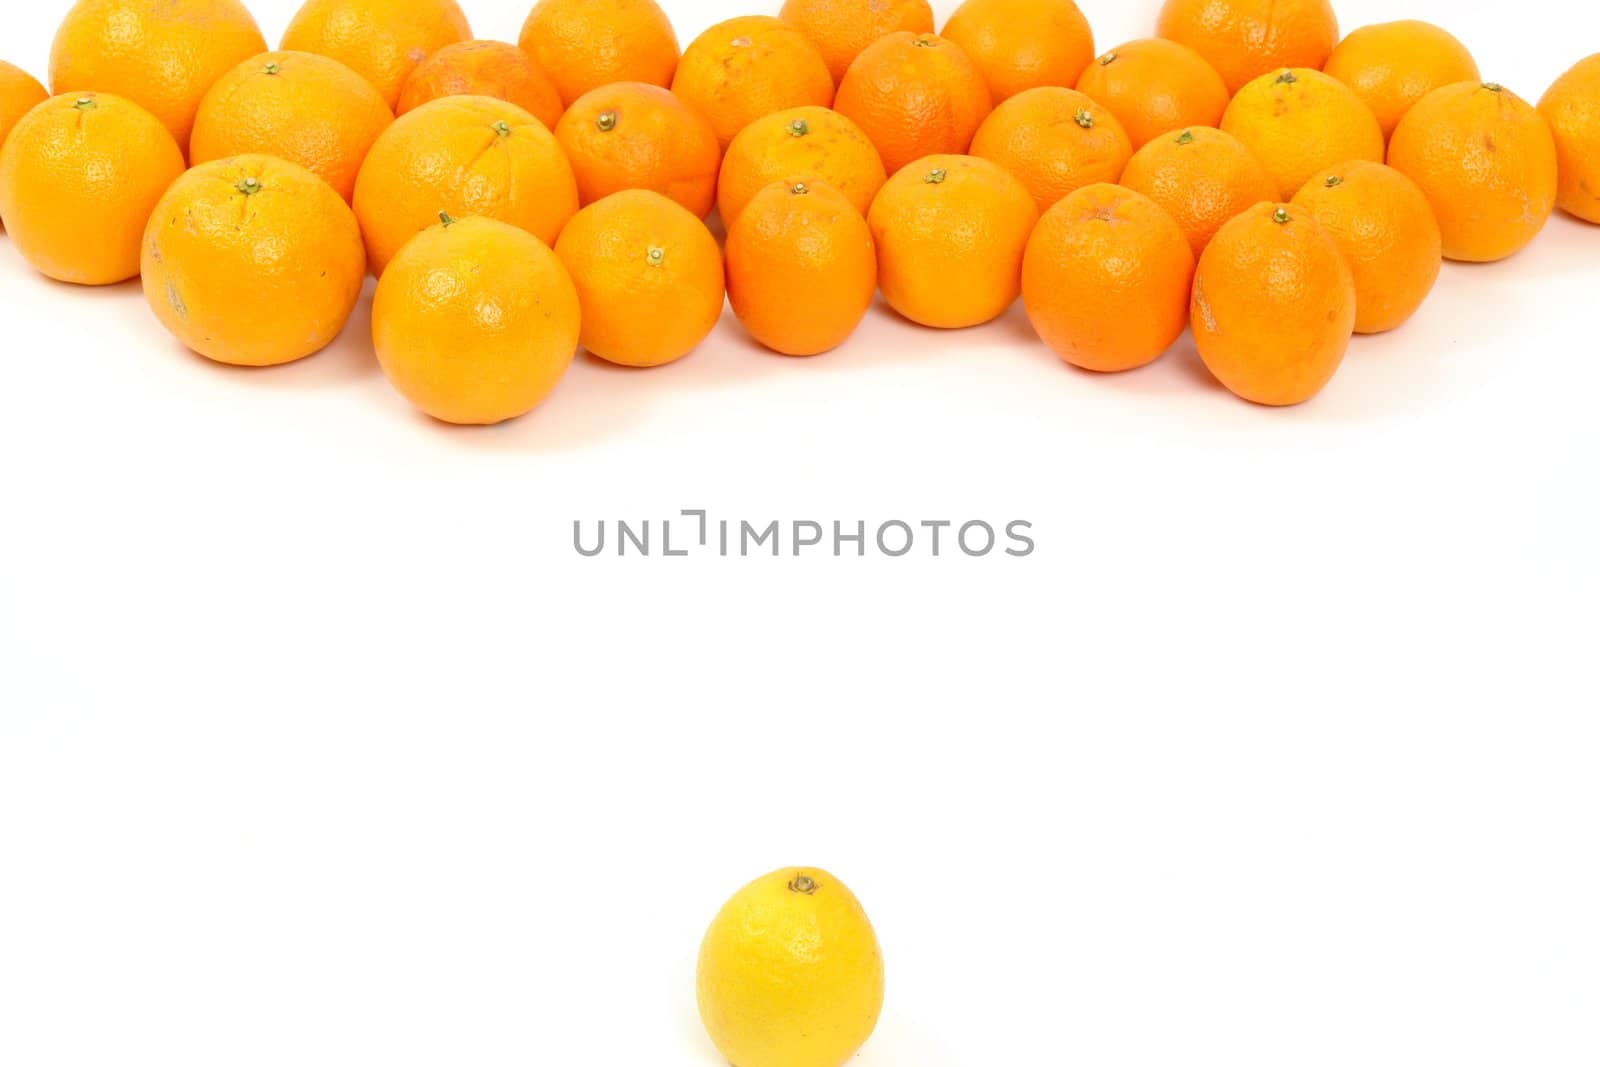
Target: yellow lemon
{"points": [[790, 973]]}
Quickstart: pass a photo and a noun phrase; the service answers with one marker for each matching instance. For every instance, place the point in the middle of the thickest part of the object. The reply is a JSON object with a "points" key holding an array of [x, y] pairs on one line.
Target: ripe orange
{"points": [[79, 175], [841, 29], [475, 322], [463, 155], [1200, 176], [381, 40], [304, 108], [1392, 65], [483, 68], [747, 67], [253, 261], [584, 44], [1020, 44], [1244, 39], [802, 267], [1054, 141], [1298, 122], [1274, 305], [813, 144], [1106, 277], [1571, 107], [632, 135], [1486, 161], [950, 232], [914, 95], [20, 93], [649, 278], [161, 54], [1382, 223], [1153, 86]]}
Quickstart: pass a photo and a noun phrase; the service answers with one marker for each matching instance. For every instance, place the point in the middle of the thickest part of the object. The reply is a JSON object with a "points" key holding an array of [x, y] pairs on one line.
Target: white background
{"points": [[322, 746]]}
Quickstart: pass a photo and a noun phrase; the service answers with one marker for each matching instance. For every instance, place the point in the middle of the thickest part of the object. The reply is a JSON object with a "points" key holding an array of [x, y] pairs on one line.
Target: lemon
{"points": [[790, 973]]}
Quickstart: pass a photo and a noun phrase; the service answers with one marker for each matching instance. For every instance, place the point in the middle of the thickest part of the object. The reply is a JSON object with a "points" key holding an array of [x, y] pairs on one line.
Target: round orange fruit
{"points": [[1054, 141], [1274, 305], [483, 68], [950, 232], [464, 156], [1486, 161], [1200, 176], [1153, 86], [914, 95], [381, 40], [802, 267], [1021, 44], [304, 108], [584, 44], [633, 135], [20, 93], [841, 29], [1571, 107], [1244, 39], [253, 261], [747, 67], [1392, 65], [813, 144], [1298, 122], [79, 175]]}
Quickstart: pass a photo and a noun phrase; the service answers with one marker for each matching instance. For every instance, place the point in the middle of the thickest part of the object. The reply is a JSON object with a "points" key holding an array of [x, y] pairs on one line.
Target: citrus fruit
{"points": [[381, 40], [633, 135], [802, 267], [747, 67], [648, 274], [1382, 223], [463, 155], [1200, 176], [584, 44], [475, 322], [1105, 279], [1054, 141], [1298, 122], [950, 232], [810, 143], [841, 29], [483, 68], [20, 93], [1486, 161], [1571, 107], [253, 260], [1020, 44], [914, 95], [1244, 39], [1273, 305], [161, 54], [305, 108], [1154, 85], [790, 973], [79, 175], [1392, 65]]}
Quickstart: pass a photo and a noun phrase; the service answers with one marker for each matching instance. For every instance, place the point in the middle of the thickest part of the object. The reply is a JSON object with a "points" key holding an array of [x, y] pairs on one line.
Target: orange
{"points": [[79, 176], [633, 135], [1300, 121], [381, 40], [1273, 306], [1392, 65], [1106, 277], [950, 232], [1487, 163], [475, 322], [20, 93], [914, 95], [841, 29], [584, 44], [747, 67], [1020, 44], [1571, 107], [1200, 176], [161, 54], [483, 68], [464, 155], [305, 108], [649, 278], [1244, 39], [1055, 141], [802, 267], [253, 260], [812, 143], [1153, 86]]}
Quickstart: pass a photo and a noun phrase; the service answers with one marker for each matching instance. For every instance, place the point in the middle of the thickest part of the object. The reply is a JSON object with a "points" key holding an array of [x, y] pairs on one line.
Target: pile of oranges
{"points": [[1246, 173]]}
